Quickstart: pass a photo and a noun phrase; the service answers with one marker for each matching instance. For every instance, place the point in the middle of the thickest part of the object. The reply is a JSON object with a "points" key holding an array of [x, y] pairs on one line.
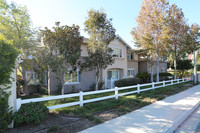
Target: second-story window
{"points": [[130, 55], [117, 52], [115, 41]]}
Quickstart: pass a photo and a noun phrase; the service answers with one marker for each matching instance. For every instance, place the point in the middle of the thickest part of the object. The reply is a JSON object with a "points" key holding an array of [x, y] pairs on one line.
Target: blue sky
{"points": [[123, 12]]}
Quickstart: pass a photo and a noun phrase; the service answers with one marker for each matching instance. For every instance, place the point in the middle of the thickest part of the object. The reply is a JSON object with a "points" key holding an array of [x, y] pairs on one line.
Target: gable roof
{"points": [[85, 40]]}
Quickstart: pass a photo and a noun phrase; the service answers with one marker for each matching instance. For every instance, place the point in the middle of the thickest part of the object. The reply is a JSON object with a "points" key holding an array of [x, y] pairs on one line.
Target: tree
{"points": [[101, 34], [8, 55], [193, 41], [182, 65], [150, 33], [177, 32], [15, 25], [61, 51]]}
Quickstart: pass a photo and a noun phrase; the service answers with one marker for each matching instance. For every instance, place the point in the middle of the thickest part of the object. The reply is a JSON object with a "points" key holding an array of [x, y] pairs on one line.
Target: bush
{"points": [[8, 55], [5, 111], [43, 91], [144, 76], [127, 82], [100, 86], [31, 113], [165, 76]]}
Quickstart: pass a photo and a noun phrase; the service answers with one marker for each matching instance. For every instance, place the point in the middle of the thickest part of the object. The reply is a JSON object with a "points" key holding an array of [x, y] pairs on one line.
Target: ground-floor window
{"points": [[131, 72], [113, 74], [71, 78], [34, 78]]}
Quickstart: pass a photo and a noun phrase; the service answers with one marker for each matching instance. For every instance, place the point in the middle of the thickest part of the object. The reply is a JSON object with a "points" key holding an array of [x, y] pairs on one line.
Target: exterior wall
{"points": [[86, 79], [119, 63], [84, 50], [142, 66], [162, 65], [133, 64]]}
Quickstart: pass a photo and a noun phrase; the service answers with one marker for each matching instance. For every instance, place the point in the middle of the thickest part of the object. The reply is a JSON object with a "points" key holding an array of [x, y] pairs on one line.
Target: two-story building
{"points": [[127, 63]]}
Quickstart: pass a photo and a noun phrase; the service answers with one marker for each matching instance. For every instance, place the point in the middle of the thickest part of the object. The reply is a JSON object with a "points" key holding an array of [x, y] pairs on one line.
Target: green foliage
{"points": [[43, 91], [61, 51], [127, 82], [144, 76], [100, 85], [198, 67], [5, 111], [15, 25], [8, 56], [101, 34], [31, 113], [165, 76], [182, 64]]}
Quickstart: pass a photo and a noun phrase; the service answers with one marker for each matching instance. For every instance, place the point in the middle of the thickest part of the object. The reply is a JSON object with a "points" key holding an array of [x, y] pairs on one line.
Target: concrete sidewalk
{"points": [[160, 117]]}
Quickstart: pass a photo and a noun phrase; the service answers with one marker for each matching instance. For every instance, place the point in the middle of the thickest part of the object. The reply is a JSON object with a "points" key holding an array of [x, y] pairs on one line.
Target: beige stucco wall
{"points": [[86, 79], [119, 63], [133, 64], [84, 50], [161, 65]]}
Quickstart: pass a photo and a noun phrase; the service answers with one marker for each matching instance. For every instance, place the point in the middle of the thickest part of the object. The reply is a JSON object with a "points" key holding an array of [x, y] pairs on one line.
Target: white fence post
{"points": [[105, 84], [116, 92], [153, 85], [111, 83], [138, 88], [172, 82], [183, 79], [163, 83], [178, 80], [81, 98], [18, 104]]}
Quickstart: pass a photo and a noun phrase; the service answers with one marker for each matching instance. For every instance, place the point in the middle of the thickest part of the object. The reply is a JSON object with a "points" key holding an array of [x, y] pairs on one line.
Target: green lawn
{"points": [[123, 104]]}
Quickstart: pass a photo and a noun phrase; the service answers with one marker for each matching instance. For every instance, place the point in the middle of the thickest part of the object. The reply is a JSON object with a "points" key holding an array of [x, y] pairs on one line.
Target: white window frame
{"points": [[78, 79], [129, 55], [114, 47], [112, 71], [33, 78], [131, 69], [115, 41]]}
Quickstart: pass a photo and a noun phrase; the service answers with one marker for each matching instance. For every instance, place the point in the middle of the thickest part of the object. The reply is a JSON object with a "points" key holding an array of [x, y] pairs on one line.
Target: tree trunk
{"points": [[151, 73], [97, 80], [63, 87], [175, 76], [49, 81], [157, 68], [25, 89]]}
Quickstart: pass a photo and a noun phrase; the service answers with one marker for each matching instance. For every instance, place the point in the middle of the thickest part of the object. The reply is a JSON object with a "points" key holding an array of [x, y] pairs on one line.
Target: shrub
{"points": [[43, 91], [100, 86], [5, 111], [127, 82], [8, 55], [31, 113], [165, 76], [144, 76]]}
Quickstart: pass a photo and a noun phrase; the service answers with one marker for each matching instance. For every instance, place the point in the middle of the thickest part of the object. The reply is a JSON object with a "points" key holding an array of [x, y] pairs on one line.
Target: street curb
{"points": [[180, 119]]}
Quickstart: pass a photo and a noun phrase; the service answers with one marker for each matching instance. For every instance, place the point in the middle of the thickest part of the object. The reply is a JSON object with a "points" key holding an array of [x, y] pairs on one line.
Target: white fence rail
{"points": [[81, 94]]}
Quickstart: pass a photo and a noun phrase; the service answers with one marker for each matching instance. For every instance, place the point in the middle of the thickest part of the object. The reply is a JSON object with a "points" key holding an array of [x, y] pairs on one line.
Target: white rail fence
{"points": [[81, 94]]}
